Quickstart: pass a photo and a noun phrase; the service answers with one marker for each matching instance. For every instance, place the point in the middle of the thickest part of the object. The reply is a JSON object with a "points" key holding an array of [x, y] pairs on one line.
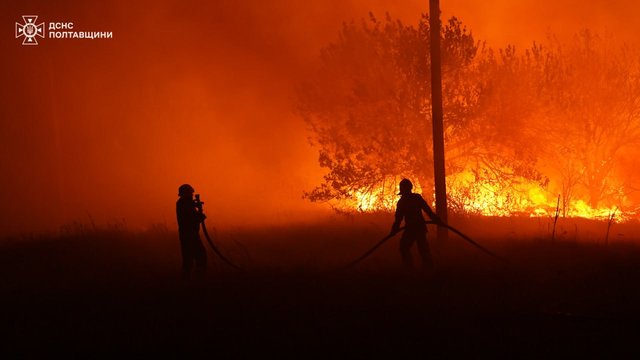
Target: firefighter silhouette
{"points": [[410, 208], [189, 219]]}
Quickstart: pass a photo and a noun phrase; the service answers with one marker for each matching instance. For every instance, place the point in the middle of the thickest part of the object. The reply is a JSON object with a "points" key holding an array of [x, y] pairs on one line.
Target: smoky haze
{"points": [[106, 130]]}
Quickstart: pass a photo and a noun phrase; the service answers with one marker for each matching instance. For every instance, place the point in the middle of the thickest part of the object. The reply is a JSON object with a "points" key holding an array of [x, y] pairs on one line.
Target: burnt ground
{"points": [[114, 292]]}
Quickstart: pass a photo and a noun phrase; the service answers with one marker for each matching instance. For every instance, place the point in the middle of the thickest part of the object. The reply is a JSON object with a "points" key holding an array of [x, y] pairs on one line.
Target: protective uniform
{"points": [[410, 208], [189, 220]]}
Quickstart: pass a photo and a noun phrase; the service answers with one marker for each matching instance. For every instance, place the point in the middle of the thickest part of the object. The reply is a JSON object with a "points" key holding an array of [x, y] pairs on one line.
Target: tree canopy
{"points": [[559, 116]]}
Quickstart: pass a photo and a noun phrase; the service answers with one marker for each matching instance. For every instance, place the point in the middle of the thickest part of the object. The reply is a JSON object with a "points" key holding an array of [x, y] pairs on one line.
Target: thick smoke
{"points": [[105, 130]]}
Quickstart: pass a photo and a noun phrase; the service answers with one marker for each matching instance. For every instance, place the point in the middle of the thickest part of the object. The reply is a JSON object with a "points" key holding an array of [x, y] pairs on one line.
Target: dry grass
{"points": [[112, 291]]}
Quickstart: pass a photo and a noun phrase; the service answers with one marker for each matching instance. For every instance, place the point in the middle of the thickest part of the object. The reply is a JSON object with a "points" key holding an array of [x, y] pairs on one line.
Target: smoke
{"points": [[197, 93], [503, 22]]}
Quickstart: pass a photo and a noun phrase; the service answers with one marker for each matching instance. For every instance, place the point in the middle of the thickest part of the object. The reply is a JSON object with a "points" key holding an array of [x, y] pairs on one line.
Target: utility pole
{"points": [[436, 117]]}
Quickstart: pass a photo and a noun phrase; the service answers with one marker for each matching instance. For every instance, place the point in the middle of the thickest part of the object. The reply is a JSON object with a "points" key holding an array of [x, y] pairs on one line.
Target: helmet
{"points": [[405, 186], [185, 189]]}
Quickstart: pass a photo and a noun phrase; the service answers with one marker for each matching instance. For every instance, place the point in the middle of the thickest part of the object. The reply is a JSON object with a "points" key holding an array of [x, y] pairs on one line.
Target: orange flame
{"points": [[469, 194]]}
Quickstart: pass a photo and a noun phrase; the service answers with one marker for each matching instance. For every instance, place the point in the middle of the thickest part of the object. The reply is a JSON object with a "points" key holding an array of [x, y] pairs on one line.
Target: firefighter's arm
{"points": [[198, 215], [426, 208], [396, 224]]}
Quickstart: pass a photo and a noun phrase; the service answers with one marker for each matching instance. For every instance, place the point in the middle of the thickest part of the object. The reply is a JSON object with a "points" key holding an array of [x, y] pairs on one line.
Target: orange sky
{"points": [[187, 92]]}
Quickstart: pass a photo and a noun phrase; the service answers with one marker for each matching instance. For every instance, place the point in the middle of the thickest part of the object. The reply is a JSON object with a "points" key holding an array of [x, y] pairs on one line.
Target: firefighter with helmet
{"points": [[410, 208], [189, 219]]}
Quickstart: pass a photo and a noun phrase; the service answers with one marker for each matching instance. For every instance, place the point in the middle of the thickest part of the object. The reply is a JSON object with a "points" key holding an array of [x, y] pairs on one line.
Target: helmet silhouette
{"points": [[405, 186], [185, 189]]}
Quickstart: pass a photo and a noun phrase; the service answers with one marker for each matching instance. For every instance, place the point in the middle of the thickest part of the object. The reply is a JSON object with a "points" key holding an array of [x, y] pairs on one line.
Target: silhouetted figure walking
{"points": [[409, 208], [189, 219]]}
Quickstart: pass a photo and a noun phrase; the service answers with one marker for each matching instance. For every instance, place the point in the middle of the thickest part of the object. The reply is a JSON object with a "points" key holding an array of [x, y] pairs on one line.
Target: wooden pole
{"points": [[436, 117]]}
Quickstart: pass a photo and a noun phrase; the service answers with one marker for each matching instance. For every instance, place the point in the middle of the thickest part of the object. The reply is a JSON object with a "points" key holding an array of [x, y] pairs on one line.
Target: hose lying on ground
{"points": [[215, 248], [450, 228], [368, 252]]}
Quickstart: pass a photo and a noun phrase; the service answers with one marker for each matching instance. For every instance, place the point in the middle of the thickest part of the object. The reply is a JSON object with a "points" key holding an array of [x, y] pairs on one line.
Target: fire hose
{"points": [[450, 228], [206, 235], [199, 205]]}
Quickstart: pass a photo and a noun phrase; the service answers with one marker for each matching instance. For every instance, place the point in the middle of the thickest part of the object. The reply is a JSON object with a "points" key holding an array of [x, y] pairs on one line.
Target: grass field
{"points": [[107, 290]]}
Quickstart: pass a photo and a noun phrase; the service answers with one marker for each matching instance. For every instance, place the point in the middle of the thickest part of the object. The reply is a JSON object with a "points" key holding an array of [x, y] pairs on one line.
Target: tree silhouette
{"points": [[368, 107], [555, 116], [592, 97]]}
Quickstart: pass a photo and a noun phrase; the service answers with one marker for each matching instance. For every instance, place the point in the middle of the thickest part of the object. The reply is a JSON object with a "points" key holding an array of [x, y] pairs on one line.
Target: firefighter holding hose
{"points": [[410, 208], [189, 220]]}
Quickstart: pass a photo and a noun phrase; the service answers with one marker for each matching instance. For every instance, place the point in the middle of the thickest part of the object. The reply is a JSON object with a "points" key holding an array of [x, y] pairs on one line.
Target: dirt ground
{"points": [[110, 291]]}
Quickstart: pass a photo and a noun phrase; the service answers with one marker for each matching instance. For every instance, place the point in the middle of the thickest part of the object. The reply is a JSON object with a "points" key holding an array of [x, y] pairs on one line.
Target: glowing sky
{"points": [[199, 93]]}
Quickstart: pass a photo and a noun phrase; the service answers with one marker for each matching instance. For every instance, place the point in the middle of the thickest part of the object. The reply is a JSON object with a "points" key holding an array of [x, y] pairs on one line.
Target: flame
{"points": [[382, 197], [470, 194], [487, 197]]}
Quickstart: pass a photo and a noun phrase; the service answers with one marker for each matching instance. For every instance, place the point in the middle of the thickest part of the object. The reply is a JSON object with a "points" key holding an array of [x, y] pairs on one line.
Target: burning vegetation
{"points": [[551, 128]]}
